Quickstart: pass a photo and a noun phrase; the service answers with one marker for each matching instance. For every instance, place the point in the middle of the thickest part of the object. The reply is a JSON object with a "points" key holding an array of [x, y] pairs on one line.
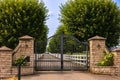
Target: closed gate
{"points": [[61, 52]]}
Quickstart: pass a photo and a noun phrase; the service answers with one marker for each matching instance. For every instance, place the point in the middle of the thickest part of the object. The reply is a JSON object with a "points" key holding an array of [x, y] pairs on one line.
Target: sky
{"points": [[54, 11]]}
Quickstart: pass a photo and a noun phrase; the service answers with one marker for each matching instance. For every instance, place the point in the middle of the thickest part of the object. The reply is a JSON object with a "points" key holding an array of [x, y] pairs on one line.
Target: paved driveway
{"points": [[68, 75]]}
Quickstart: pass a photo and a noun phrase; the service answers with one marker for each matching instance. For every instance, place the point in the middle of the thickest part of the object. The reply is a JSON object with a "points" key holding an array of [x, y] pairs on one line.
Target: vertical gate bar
{"points": [[62, 51], [35, 55], [19, 72], [87, 56]]}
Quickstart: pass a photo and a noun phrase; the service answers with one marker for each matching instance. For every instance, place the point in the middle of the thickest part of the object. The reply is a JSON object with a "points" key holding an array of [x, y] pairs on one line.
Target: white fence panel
{"points": [[79, 59]]}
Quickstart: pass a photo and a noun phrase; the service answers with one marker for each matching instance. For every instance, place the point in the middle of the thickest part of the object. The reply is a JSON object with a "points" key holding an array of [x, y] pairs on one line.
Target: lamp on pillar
{"points": [[26, 45], [98, 46]]}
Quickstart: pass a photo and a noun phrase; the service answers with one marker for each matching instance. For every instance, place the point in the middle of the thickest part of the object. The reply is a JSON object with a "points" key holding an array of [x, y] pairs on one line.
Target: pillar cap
{"points": [[4, 48], [26, 37], [116, 50], [97, 38]]}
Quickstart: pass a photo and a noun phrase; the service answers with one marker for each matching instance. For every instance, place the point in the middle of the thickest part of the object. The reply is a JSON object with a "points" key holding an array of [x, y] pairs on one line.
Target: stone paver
{"points": [[68, 75]]}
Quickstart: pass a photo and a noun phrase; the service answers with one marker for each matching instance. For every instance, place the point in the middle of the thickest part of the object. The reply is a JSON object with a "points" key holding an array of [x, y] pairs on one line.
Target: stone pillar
{"points": [[27, 45], [25, 48], [5, 61], [116, 53], [97, 46]]}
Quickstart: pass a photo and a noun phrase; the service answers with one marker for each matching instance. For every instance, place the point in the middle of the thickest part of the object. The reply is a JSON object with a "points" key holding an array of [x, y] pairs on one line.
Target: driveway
{"points": [[68, 75]]}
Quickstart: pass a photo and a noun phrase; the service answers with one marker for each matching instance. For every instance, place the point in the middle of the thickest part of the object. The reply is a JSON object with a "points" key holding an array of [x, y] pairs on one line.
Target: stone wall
{"points": [[5, 61], [97, 46], [25, 70], [110, 70], [8, 56]]}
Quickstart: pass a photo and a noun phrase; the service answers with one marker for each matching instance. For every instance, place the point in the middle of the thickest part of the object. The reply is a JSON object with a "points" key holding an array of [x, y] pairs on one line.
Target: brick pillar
{"points": [[97, 46], [27, 45], [116, 53], [5, 61]]}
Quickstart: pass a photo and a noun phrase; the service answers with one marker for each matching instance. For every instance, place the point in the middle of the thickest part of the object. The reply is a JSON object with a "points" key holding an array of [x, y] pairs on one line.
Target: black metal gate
{"points": [[61, 52]]}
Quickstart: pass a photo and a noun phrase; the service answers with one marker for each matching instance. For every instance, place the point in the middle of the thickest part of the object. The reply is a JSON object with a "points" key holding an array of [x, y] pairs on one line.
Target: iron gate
{"points": [[61, 52]]}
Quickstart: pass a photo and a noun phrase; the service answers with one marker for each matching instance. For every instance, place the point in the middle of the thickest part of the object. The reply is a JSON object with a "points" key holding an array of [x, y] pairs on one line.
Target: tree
{"points": [[88, 18], [62, 29], [22, 17], [54, 44]]}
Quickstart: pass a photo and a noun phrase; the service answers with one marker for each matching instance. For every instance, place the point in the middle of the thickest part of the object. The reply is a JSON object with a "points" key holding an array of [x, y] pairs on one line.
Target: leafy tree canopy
{"points": [[22, 17], [62, 29], [87, 18]]}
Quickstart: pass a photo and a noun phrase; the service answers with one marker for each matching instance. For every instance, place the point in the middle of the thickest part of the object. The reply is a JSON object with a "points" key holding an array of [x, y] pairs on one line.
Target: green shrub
{"points": [[108, 60], [19, 60]]}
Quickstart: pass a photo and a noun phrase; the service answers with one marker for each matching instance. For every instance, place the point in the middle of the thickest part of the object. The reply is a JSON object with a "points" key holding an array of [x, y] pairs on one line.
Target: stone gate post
{"points": [[24, 48], [5, 61], [97, 46], [27, 48], [116, 53]]}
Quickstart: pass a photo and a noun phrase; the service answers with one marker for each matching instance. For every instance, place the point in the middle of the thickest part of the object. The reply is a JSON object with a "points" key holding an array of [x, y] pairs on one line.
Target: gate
{"points": [[61, 52]]}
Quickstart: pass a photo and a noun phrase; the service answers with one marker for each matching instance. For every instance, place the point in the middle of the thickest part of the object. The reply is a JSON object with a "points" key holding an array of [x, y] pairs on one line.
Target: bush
{"points": [[19, 60], [107, 61]]}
